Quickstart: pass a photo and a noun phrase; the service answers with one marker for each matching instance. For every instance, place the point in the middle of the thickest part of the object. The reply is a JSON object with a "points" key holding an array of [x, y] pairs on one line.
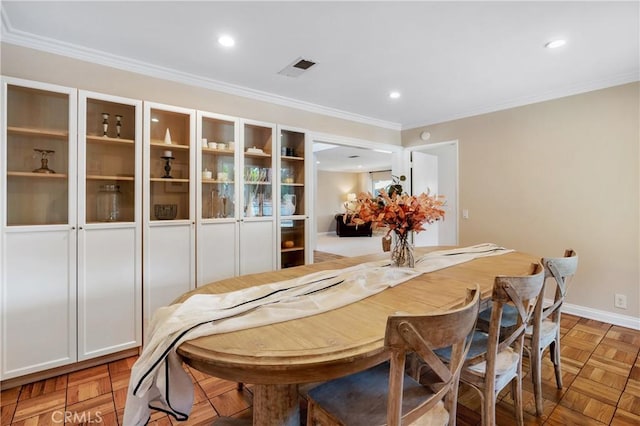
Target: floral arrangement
{"points": [[399, 213]]}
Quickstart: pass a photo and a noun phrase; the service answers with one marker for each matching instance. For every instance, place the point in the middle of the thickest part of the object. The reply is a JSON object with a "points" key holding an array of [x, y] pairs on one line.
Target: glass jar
{"points": [[109, 203]]}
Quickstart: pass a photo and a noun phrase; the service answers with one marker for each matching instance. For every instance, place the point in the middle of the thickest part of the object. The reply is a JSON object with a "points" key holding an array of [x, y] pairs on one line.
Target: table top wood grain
{"points": [[341, 341]]}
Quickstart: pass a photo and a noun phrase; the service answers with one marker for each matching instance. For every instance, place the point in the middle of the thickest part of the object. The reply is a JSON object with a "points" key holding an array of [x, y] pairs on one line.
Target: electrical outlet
{"points": [[465, 214], [620, 301]]}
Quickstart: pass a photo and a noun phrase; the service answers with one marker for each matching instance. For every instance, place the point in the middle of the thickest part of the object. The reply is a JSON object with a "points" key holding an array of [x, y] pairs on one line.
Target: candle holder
{"points": [[105, 123], [167, 167], [118, 125], [44, 160]]}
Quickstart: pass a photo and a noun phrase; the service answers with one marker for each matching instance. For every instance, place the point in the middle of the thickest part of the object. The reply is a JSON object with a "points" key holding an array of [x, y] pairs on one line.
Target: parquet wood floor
{"points": [[601, 373]]}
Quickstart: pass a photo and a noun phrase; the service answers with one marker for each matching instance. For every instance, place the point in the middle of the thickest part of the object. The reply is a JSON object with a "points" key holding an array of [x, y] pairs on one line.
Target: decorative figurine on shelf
{"points": [[44, 160], [118, 124], [167, 137], [105, 123], [167, 156]]}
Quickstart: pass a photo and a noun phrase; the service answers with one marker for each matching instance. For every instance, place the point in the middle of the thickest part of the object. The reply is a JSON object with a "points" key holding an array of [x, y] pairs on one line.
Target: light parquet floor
{"points": [[601, 373]]}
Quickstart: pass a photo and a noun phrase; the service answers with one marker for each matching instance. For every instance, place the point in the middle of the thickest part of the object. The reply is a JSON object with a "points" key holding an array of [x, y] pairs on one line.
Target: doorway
{"points": [[435, 167], [342, 168]]}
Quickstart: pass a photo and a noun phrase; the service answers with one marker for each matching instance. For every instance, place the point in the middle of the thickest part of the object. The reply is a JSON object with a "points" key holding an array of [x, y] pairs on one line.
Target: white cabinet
{"points": [[109, 218], [237, 207], [71, 281], [258, 201], [218, 182], [169, 205], [38, 215]]}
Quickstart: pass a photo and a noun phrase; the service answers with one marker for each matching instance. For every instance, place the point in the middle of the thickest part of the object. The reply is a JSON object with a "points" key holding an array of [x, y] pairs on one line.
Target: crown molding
{"points": [[11, 35], [547, 96]]}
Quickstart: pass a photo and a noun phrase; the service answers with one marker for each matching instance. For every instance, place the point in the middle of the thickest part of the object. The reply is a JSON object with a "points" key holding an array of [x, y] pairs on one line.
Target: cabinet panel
{"points": [[257, 252], [217, 251], [169, 204], [109, 296], [171, 265], [38, 300], [110, 224]]}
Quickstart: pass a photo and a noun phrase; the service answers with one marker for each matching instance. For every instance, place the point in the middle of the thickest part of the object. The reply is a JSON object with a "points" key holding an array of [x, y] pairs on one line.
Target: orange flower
{"points": [[400, 213]]}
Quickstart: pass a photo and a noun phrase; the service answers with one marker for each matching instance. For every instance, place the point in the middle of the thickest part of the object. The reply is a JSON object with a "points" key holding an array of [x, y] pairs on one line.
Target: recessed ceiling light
{"points": [[394, 95], [554, 44], [226, 41]]}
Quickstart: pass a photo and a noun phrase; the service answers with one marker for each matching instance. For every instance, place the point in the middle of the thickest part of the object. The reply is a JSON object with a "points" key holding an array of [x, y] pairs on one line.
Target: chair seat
{"points": [[510, 318], [506, 362], [361, 399]]}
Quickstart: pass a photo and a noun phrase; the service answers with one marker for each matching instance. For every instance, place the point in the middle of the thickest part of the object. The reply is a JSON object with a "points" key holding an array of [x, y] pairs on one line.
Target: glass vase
{"points": [[402, 253]]}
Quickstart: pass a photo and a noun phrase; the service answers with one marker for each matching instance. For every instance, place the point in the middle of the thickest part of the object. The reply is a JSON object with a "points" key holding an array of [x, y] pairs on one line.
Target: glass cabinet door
{"points": [[169, 165], [218, 168], [39, 144], [110, 161], [258, 172]]}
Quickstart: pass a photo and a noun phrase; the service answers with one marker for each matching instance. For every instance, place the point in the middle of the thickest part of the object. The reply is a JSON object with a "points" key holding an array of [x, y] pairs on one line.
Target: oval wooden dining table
{"points": [[277, 358]]}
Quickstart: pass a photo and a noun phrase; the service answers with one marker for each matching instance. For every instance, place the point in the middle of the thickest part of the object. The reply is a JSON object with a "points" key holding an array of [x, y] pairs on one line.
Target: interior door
{"points": [[424, 176]]}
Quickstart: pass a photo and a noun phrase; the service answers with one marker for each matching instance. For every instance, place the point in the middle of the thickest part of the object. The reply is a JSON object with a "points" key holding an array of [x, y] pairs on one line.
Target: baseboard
{"points": [[65, 369], [598, 315]]}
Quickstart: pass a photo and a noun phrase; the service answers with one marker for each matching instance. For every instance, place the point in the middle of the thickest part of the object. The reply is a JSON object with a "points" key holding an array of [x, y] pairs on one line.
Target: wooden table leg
{"points": [[276, 405]]}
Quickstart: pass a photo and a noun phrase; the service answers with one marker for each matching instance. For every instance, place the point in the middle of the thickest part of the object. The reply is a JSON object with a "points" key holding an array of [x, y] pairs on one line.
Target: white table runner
{"points": [[158, 380]]}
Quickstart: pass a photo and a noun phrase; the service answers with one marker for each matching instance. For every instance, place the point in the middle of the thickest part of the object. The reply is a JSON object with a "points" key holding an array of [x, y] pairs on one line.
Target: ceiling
{"points": [[447, 59], [337, 158]]}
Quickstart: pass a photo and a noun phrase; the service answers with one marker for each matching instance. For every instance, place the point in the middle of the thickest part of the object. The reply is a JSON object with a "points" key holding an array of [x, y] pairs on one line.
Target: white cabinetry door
{"points": [[257, 250], [258, 199], [38, 300], [38, 227], [109, 292], [218, 183], [110, 230], [171, 270], [217, 251], [169, 204]]}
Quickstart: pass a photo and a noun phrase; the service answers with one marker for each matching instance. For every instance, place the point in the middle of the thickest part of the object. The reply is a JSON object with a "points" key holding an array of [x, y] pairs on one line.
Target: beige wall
{"points": [[554, 175], [49, 68], [331, 193]]}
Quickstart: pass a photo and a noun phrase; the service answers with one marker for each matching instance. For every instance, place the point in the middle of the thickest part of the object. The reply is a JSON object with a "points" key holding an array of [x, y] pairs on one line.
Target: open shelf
{"points": [[30, 131], [38, 175], [109, 140], [105, 177]]}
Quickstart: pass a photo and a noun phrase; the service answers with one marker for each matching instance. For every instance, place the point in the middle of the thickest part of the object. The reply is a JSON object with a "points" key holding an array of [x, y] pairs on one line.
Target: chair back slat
{"points": [[422, 334], [560, 270]]}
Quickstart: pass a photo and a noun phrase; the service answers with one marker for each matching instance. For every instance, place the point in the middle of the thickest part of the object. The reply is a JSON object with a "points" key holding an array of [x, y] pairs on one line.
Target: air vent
{"points": [[297, 67]]}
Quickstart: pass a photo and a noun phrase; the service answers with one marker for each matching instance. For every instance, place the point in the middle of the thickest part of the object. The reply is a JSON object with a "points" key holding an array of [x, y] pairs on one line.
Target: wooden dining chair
{"points": [[544, 329], [385, 394], [495, 357]]}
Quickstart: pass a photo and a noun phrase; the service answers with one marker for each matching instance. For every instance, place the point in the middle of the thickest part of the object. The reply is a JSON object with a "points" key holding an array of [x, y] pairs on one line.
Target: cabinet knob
{"points": [[73, 228]]}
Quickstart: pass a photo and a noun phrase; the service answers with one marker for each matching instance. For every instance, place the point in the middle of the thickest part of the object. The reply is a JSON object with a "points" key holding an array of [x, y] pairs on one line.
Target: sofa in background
{"points": [[344, 228]]}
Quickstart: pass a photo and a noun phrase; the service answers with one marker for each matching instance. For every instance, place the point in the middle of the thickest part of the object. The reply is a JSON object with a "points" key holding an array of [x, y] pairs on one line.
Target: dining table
{"points": [[277, 358]]}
